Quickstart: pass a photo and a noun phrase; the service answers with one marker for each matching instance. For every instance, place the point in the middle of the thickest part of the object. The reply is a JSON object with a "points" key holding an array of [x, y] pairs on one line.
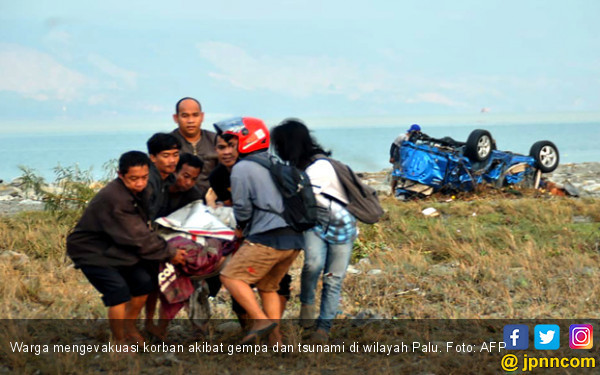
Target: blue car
{"points": [[428, 165]]}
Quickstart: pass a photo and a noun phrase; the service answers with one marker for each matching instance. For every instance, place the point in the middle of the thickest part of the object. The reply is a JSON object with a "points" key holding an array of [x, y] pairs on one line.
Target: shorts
{"points": [[284, 291], [261, 265], [118, 284]]}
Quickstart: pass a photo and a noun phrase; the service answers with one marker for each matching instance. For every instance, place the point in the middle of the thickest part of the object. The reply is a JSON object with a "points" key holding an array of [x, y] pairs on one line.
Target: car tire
{"points": [[546, 156], [479, 145]]}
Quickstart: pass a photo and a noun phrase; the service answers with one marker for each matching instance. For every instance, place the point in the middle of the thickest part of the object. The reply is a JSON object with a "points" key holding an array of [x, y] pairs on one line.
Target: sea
{"points": [[364, 148]]}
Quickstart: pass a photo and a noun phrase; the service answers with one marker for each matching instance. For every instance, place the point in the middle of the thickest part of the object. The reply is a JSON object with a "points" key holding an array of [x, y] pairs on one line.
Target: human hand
{"points": [[179, 257], [211, 198], [392, 160]]}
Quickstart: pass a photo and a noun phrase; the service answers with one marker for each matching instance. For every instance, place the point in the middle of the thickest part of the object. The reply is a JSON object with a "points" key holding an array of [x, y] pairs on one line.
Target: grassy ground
{"points": [[494, 255]]}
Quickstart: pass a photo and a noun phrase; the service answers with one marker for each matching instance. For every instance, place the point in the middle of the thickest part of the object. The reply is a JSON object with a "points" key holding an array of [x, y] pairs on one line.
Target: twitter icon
{"points": [[547, 337]]}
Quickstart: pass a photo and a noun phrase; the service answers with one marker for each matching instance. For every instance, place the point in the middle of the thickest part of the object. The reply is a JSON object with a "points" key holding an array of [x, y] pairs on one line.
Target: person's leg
{"points": [[132, 312], [142, 280], [242, 315], [151, 303], [152, 268], [270, 288], [314, 261], [284, 291], [338, 258], [272, 307], [244, 295], [263, 266], [116, 319], [115, 295]]}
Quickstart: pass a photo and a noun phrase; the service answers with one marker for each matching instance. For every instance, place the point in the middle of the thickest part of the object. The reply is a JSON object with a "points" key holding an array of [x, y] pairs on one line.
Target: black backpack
{"points": [[362, 199], [299, 203]]}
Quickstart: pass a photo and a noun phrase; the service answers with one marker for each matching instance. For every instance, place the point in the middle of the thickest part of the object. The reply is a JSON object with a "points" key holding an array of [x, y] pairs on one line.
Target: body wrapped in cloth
{"points": [[208, 241]]}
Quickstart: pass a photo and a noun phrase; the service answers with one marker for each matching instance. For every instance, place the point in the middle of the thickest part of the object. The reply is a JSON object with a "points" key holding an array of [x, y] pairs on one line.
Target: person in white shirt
{"points": [[328, 246]]}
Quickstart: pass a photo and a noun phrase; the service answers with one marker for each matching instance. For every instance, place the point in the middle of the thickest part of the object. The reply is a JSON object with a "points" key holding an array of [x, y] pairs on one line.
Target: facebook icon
{"points": [[516, 336]]}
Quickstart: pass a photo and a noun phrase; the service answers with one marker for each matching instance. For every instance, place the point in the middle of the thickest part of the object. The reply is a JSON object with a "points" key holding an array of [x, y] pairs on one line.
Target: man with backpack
{"points": [[271, 245], [341, 199]]}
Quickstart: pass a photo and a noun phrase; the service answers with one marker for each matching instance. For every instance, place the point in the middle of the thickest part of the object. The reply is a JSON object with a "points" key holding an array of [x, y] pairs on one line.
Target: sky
{"points": [[123, 64]]}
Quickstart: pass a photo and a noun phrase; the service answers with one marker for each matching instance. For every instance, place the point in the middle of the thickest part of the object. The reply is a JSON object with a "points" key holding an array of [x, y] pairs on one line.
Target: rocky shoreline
{"points": [[580, 179]]}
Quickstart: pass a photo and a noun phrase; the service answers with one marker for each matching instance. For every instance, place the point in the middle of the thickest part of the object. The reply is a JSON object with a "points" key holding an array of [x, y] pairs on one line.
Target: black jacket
{"points": [[114, 231]]}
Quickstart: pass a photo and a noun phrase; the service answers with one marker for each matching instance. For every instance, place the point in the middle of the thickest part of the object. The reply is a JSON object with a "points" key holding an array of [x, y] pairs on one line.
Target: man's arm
{"points": [[241, 194], [393, 150], [127, 229]]}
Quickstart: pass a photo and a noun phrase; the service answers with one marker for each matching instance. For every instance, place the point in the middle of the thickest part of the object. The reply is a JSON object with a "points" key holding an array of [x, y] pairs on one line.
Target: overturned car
{"points": [[429, 164]]}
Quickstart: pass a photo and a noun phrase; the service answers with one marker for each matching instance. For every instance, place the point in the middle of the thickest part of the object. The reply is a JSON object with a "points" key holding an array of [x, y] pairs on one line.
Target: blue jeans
{"points": [[332, 260]]}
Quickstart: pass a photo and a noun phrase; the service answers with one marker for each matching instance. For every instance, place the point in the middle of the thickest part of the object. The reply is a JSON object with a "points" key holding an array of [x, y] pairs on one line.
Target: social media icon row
{"points": [[547, 336]]}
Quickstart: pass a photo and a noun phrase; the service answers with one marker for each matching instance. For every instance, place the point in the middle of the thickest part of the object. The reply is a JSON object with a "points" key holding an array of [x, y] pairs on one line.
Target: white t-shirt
{"points": [[324, 181], [401, 138]]}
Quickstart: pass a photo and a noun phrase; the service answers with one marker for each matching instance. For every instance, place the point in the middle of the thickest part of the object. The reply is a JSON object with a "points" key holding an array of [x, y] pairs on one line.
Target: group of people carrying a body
{"points": [[117, 250]]}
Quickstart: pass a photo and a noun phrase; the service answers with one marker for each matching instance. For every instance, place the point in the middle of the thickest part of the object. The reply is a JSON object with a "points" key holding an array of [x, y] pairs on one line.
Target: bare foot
{"points": [[157, 331], [275, 338], [133, 336]]}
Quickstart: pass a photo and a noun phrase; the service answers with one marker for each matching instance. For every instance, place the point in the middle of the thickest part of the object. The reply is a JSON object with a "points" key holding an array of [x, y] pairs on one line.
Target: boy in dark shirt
{"points": [[113, 246], [164, 151], [185, 190]]}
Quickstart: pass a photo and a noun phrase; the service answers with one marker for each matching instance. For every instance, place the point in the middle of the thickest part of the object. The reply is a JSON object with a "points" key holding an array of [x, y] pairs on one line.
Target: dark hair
{"points": [[160, 142], [132, 159], [293, 143], [224, 136], [189, 159], [186, 98]]}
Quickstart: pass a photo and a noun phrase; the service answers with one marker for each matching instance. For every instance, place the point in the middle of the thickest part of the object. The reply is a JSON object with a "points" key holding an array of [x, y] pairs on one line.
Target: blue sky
{"points": [[123, 64]]}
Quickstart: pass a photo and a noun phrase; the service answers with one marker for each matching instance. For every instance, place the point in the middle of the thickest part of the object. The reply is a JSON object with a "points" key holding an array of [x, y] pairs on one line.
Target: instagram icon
{"points": [[581, 336]]}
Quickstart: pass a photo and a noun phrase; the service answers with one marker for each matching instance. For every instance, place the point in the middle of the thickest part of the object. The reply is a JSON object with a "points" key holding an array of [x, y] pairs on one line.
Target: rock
{"points": [[352, 270], [167, 359], [17, 259], [30, 202], [17, 182], [581, 219], [374, 272], [572, 190], [430, 212], [364, 262], [11, 191], [579, 179], [228, 327], [593, 188], [365, 317]]}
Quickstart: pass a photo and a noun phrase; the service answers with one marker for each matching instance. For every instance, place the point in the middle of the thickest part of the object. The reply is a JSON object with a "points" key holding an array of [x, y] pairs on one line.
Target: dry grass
{"points": [[533, 257]]}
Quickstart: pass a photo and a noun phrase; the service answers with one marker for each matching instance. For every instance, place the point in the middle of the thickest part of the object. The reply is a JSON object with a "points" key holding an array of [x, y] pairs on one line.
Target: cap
{"points": [[414, 128]]}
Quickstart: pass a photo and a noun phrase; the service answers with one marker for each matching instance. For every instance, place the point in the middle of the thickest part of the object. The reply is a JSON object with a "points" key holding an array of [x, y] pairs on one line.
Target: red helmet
{"points": [[252, 133]]}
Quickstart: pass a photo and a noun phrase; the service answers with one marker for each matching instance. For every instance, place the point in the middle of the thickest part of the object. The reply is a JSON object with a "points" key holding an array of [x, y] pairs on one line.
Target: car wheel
{"points": [[479, 145], [546, 156]]}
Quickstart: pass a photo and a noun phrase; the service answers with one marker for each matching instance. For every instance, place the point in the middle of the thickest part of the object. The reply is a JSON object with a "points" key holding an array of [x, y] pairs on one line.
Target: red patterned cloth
{"points": [[174, 281]]}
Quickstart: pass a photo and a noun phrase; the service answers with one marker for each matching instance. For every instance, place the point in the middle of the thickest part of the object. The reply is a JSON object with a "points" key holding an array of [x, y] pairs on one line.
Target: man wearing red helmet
{"points": [[270, 245]]}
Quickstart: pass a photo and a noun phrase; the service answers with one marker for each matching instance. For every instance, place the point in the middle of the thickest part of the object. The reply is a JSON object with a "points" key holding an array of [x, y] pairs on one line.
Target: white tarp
{"points": [[200, 220]]}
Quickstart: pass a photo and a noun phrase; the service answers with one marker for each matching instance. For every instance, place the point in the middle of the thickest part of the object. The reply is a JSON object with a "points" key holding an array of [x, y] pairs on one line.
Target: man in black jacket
{"points": [[113, 246]]}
